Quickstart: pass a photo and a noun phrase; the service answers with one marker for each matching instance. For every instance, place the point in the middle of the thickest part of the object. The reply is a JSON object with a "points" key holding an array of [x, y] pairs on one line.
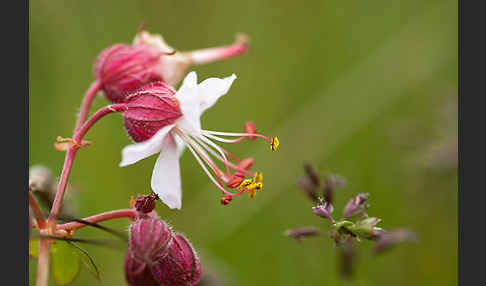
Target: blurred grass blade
{"points": [[86, 259]]}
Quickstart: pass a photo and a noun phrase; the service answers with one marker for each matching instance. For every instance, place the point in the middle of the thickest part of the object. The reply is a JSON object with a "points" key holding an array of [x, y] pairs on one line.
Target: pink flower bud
{"points": [[149, 109], [149, 238], [181, 266], [138, 273], [157, 256], [122, 68]]}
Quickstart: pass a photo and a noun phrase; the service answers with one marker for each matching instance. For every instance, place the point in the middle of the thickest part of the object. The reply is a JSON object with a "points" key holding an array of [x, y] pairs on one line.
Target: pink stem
{"points": [[43, 263], [240, 46], [71, 153], [39, 217], [128, 213], [86, 104]]}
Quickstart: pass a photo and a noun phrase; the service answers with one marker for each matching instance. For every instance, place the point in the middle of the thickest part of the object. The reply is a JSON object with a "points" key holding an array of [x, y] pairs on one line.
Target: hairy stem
{"points": [[43, 263], [128, 213], [86, 104], [71, 153]]}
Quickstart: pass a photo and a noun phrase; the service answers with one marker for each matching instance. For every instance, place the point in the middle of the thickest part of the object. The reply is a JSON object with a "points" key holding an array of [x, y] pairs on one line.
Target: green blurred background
{"points": [[364, 89]]}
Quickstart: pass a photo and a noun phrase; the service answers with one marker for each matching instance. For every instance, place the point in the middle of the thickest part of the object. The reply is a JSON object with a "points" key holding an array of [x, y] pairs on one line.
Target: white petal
{"points": [[211, 89], [166, 178], [138, 151], [181, 145], [188, 87], [189, 103]]}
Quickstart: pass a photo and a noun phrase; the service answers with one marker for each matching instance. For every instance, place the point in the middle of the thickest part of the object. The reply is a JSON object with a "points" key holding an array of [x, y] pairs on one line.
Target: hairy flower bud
{"points": [[181, 266], [122, 68], [149, 109], [149, 238], [156, 255], [138, 273]]}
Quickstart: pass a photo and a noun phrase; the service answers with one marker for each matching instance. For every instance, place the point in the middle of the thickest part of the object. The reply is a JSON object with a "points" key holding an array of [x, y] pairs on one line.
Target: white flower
{"points": [[170, 141]]}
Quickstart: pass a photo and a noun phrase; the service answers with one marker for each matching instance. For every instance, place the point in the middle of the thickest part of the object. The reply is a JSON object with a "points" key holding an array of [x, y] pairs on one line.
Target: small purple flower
{"points": [[356, 205]]}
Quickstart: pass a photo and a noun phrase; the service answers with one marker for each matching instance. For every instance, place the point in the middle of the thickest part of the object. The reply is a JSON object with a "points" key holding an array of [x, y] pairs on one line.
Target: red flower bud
{"points": [[181, 266], [122, 68], [157, 256], [138, 273], [149, 238], [149, 109]]}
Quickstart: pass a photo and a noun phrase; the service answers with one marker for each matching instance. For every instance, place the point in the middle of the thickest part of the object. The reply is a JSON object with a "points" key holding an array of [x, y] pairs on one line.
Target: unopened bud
{"points": [[156, 255], [330, 184], [181, 267], [149, 109], [311, 174], [138, 273], [149, 238], [356, 205], [122, 68], [250, 127]]}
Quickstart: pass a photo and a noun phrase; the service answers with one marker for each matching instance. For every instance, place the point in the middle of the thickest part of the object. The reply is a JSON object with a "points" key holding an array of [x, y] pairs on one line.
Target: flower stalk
{"points": [[127, 213], [70, 155], [86, 104]]}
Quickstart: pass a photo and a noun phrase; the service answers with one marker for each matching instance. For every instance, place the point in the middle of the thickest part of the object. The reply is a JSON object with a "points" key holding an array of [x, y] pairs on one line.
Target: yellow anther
{"points": [[258, 186], [274, 144], [251, 194], [258, 177], [245, 184]]}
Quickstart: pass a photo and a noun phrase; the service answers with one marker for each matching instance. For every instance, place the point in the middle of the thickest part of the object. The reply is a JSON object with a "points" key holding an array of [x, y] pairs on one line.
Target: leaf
{"points": [[86, 259], [65, 263], [34, 248]]}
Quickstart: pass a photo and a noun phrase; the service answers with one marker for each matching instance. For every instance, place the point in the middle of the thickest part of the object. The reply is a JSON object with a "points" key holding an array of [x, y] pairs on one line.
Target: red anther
{"points": [[246, 163], [226, 199], [235, 180], [250, 127]]}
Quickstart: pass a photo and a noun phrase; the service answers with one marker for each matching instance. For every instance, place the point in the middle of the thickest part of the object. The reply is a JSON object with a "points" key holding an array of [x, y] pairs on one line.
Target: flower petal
{"points": [[211, 89], [166, 178], [181, 145], [189, 103], [138, 151]]}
